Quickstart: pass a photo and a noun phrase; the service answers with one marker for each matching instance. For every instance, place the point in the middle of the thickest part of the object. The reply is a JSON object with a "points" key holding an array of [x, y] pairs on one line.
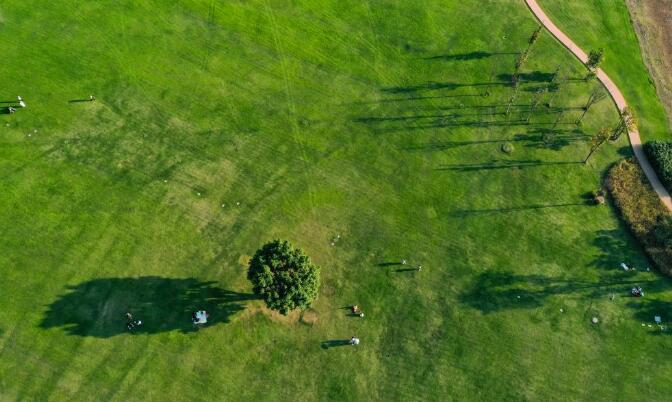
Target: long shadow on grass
{"points": [[434, 86], [97, 308], [495, 291], [469, 212], [467, 56], [503, 164], [335, 343]]}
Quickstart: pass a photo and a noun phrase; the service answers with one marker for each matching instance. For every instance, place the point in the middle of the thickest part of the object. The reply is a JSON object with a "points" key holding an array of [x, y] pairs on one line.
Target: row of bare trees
{"points": [[627, 120]]}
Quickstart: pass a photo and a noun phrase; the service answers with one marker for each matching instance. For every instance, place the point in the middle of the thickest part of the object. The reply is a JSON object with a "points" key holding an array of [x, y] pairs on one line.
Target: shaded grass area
{"points": [[219, 126], [98, 307]]}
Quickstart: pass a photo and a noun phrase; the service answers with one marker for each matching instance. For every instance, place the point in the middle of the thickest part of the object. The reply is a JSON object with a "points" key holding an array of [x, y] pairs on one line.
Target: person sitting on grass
{"points": [[354, 341], [132, 324]]}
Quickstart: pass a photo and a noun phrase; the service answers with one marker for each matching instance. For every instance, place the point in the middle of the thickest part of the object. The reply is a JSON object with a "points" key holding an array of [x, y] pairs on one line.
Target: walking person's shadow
{"points": [[334, 343], [97, 307]]}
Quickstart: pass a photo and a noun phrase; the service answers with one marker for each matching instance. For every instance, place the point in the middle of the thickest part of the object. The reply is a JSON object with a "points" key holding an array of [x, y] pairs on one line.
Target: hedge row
{"points": [[660, 154], [643, 212]]}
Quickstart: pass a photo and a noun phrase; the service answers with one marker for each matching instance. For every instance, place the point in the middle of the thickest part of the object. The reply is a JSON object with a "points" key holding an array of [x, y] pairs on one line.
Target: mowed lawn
{"points": [[221, 125]]}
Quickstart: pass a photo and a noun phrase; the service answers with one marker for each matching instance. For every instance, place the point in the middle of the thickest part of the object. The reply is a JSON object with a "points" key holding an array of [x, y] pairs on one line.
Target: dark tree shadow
{"points": [[502, 164], [615, 247], [468, 212], [625, 152], [467, 56], [495, 291], [335, 343], [97, 307], [79, 100], [433, 86], [533, 76], [646, 310], [556, 140]]}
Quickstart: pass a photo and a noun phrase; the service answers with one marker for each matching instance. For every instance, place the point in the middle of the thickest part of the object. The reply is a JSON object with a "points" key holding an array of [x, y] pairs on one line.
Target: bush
{"points": [[507, 148], [660, 154], [643, 212], [284, 276]]}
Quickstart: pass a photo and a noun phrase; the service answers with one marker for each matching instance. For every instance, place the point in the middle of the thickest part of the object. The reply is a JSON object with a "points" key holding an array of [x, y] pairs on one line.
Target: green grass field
{"points": [[221, 125]]}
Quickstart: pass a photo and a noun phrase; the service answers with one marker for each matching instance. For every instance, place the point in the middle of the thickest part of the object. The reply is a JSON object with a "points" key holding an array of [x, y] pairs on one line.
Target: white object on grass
{"points": [[22, 103], [625, 267], [595, 320], [657, 319], [201, 317]]}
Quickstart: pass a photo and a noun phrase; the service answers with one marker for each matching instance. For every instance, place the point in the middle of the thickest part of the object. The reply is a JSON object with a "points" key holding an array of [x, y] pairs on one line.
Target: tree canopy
{"points": [[284, 276], [595, 58]]}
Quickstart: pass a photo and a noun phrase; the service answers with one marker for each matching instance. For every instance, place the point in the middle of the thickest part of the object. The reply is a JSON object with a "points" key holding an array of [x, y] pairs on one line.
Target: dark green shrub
{"points": [[284, 276], [643, 212], [660, 154]]}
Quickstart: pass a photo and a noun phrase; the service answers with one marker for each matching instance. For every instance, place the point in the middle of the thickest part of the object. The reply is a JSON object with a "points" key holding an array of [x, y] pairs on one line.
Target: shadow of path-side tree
{"points": [[97, 307]]}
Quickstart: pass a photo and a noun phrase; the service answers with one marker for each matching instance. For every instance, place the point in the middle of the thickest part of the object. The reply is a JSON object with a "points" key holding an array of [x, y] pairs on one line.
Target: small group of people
{"points": [[131, 324], [12, 109], [197, 317], [637, 291], [357, 311]]}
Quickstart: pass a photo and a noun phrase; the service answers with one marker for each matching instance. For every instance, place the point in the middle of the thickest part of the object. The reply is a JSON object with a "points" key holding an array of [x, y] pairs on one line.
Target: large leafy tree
{"points": [[284, 276]]}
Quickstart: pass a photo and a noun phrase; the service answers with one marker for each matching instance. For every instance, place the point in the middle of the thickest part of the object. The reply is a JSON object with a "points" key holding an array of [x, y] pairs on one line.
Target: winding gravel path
{"points": [[616, 95]]}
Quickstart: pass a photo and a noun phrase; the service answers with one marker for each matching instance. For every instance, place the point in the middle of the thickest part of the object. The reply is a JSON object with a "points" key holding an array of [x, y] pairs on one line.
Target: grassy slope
{"points": [[309, 117], [606, 24]]}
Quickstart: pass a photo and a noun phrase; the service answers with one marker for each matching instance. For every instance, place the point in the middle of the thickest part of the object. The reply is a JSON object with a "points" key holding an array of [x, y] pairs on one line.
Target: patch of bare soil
{"points": [[653, 23], [309, 317]]}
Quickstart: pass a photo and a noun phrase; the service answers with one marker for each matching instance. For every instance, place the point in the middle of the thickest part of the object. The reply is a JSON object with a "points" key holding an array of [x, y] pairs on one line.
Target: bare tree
{"points": [[536, 100], [555, 85], [516, 86], [596, 96], [534, 37], [557, 119], [521, 60], [626, 122], [597, 141]]}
